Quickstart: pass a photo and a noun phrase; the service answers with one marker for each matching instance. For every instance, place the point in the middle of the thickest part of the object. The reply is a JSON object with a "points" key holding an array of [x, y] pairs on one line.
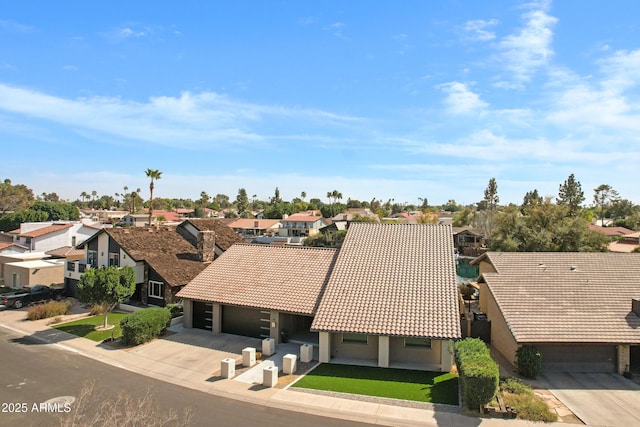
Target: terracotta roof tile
{"points": [[567, 297], [393, 279], [225, 236], [66, 251], [283, 278], [46, 230]]}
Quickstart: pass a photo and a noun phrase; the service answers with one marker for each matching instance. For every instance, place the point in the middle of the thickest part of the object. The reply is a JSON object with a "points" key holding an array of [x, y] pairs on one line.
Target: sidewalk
{"points": [[287, 399]]}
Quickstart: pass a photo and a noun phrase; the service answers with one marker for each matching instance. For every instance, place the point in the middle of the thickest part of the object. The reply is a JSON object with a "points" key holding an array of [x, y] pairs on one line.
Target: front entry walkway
{"points": [[254, 375], [597, 399]]}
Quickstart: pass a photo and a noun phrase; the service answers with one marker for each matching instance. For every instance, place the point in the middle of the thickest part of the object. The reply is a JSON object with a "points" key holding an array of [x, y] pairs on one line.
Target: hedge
{"points": [[528, 361], [50, 309], [479, 374], [144, 325]]}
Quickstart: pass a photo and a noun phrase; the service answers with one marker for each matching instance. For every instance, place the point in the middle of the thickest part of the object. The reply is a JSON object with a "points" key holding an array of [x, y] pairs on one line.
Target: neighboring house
{"points": [[138, 220], [469, 241], [627, 243], [103, 215], [297, 227], [249, 228], [611, 232], [164, 258], [26, 269], [46, 236], [343, 220], [578, 309], [12, 248], [387, 298]]}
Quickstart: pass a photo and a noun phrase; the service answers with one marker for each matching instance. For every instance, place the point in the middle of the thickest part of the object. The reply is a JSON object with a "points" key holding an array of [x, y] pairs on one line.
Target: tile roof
{"points": [[283, 278], [66, 251], [225, 236], [163, 249], [567, 297], [393, 279], [610, 231], [5, 245], [46, 230], [251, 223], [302, 218]]}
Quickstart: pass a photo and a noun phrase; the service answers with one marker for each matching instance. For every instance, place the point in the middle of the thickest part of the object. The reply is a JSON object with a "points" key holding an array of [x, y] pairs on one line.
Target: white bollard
{"points": [[289, 363], [306, 353], [270, 376], [248, 356], [228, 368], [268, 346]]}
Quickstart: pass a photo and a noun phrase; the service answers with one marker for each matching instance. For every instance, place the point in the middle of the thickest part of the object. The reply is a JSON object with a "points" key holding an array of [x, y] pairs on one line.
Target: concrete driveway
{"points": [[597, 399]]}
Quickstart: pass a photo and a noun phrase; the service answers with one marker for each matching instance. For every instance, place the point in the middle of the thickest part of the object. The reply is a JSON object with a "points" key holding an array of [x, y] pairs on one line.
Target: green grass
{"points": [[434, 387], [85, 327]]}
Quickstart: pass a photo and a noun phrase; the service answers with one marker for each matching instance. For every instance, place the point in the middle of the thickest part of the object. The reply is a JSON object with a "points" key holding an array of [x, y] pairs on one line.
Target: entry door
{"points": [[202, 315]]}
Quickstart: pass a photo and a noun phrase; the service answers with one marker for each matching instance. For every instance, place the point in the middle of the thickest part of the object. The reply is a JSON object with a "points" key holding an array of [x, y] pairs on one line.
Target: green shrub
{"points": [[175, 309], [50, 309], [528, 361], [479, 374], [515, 386], [144, 325]]}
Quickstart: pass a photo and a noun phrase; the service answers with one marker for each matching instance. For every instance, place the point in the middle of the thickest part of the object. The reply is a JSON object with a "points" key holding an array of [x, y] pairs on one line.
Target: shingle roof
{"points": [[163, 249], [225, 236], [393, 279], [283, 278], [66, 251], [46, 230], [567, 297]]}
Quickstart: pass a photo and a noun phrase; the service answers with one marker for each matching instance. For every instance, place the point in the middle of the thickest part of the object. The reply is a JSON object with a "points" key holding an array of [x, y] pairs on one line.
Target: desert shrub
{"points": [[96, 310], [528, 361], [529, 407], [175, 309], [144, 325], [50, 309], [479, 374]]}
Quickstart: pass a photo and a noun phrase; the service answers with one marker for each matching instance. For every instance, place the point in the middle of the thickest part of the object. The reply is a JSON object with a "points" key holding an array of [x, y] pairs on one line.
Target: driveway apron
{"points": [[597, 399]]}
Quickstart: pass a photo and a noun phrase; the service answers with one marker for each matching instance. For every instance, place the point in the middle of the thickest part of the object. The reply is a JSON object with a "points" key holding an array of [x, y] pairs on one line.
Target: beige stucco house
{"points": [[578, 309], [387, 298]]}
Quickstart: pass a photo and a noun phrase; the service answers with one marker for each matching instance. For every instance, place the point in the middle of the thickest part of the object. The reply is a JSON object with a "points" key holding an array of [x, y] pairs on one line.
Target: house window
{"points": [[155, 289], [73, 240], [71, 266], [114, 259], [417, 342], [92, 258], [355, 338]]}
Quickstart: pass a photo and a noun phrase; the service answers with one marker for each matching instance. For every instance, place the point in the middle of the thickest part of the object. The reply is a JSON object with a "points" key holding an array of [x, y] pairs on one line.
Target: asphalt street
{"points": [[33, 373]]}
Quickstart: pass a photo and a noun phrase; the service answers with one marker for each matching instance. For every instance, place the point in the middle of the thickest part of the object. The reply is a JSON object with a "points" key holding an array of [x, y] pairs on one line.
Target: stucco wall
{"points": [[363, 351], [53, 274], [399, 353], [501, 337]]}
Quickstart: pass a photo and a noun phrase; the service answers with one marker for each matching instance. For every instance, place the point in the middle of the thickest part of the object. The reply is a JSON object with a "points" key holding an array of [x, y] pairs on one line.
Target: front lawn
{"points": [[85, 327], [434, 387]]}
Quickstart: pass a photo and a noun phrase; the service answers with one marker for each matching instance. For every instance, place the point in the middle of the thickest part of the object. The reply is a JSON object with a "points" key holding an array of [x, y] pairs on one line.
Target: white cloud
{"points": [[460, 99], [70, 68], [193, 120], [15, 27], [523, 53], [478, 29]]}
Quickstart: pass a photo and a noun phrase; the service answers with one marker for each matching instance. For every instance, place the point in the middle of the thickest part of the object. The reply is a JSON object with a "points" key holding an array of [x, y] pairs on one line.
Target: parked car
{"points": [[26, 296]]}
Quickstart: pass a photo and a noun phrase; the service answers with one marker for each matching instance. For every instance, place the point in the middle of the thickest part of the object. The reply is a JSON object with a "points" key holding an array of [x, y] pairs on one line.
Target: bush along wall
{"points": [[144, 325], [479, 374], [528, 361]]}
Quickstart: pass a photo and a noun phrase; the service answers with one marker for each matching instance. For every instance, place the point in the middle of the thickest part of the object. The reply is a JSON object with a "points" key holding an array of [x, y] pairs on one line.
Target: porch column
{"points": [[325, 347], [274, 326], [187, 313], [446, 355], [624, 357], [216, 318], [383, 351]]}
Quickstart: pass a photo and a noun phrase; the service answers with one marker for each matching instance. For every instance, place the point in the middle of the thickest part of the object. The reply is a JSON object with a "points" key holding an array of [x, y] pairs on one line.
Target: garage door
{"points": [[244, 321], [578, 358]]}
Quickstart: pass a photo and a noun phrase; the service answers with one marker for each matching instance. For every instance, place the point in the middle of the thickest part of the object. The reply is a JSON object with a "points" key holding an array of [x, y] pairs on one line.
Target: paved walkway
{"points": [[190, 364]]}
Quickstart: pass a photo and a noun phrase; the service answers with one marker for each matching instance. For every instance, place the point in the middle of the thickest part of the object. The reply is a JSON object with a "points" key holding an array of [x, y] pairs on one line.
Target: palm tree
{"points": [[84, 196], [154, 174], [303, 195], [335, 195]]}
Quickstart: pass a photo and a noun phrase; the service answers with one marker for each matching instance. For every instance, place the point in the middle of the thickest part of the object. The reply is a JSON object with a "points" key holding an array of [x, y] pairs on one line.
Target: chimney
{"points": [[635, 306], [206, 245]]}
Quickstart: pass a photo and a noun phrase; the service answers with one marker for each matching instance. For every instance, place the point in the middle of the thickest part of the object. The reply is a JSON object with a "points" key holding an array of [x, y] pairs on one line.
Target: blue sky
{"points": [[375, 99]]}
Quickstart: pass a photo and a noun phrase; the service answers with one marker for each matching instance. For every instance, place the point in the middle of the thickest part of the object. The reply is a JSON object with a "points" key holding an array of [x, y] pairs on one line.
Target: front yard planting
{"points": [[421, 386], [85, 327]]}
